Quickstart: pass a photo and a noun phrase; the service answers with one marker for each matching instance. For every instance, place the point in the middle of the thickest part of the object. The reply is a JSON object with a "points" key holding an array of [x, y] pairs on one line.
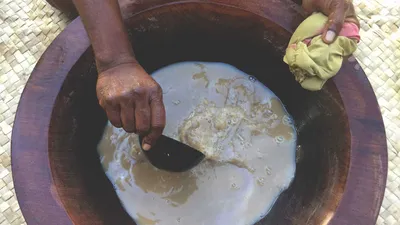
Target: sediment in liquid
{"points": [[239, 124]]}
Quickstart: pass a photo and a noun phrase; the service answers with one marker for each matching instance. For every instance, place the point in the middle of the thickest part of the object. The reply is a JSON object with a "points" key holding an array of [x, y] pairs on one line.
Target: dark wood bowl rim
{"points": [[34, 187]]}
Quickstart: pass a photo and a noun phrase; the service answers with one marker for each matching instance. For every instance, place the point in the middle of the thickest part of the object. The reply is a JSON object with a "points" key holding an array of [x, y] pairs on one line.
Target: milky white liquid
{"points": [[241, 127]]}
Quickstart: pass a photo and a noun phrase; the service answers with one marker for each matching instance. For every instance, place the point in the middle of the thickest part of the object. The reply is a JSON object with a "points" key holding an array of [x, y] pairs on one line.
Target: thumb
{"points": [[157, 123], [334, 24], [150, 139]]}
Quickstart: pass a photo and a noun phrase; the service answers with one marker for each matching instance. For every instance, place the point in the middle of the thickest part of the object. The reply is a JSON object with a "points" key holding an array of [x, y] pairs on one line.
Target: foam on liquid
{"points": [[241, 127]]}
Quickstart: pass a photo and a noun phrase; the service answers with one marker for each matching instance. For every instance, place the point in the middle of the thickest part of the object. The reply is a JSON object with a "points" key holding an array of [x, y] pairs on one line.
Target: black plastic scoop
{"points": [[171, 155]]}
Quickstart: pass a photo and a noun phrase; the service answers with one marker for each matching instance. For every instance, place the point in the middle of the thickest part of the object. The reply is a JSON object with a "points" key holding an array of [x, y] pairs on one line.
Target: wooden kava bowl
{"points": [[342, 157]]}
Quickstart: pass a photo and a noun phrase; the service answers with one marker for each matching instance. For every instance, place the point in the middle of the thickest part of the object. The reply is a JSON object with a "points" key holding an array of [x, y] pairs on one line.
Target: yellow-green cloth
{"points": [[314, 64]]}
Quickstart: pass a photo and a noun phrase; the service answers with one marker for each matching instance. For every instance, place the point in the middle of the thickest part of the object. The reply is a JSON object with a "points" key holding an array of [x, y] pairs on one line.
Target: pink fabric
{"points": [[306, 41], [349, 30]]}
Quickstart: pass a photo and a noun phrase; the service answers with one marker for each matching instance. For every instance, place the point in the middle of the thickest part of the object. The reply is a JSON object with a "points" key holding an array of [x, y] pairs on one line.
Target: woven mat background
{"points": [[27, 27]]}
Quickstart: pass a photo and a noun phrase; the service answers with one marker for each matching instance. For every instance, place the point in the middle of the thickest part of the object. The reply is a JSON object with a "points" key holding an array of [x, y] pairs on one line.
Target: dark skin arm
{"points": [[131, 98], [338, 12]]}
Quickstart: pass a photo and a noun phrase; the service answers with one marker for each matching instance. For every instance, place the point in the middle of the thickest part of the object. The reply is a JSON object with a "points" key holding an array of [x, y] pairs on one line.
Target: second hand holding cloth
{"points": [[310, 59]]}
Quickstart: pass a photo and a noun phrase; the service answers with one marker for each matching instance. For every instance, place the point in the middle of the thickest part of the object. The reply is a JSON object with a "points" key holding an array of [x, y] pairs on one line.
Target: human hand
{"points": [[337, 11], [132, 100]]}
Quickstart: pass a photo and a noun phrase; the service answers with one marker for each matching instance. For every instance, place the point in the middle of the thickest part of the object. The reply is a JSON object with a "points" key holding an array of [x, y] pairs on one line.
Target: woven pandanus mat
{"points": [[27, 27], [379, 55]]}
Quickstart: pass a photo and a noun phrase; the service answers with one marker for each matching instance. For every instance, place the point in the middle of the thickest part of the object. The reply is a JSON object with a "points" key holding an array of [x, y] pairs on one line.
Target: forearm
{"points": [[107, 33]]}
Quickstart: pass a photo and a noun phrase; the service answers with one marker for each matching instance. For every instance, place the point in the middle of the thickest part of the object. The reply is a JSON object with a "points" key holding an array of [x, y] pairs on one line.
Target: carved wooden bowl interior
{"points": [[335, 163]]}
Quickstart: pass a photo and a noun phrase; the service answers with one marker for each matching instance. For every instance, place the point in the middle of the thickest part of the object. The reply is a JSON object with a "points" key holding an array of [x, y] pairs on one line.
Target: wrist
{"points": [[104, 62]]}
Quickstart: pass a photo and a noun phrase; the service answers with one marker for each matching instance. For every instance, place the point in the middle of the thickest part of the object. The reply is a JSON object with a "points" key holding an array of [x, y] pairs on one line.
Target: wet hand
{"points": [[132, 100], [338, 11]]}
